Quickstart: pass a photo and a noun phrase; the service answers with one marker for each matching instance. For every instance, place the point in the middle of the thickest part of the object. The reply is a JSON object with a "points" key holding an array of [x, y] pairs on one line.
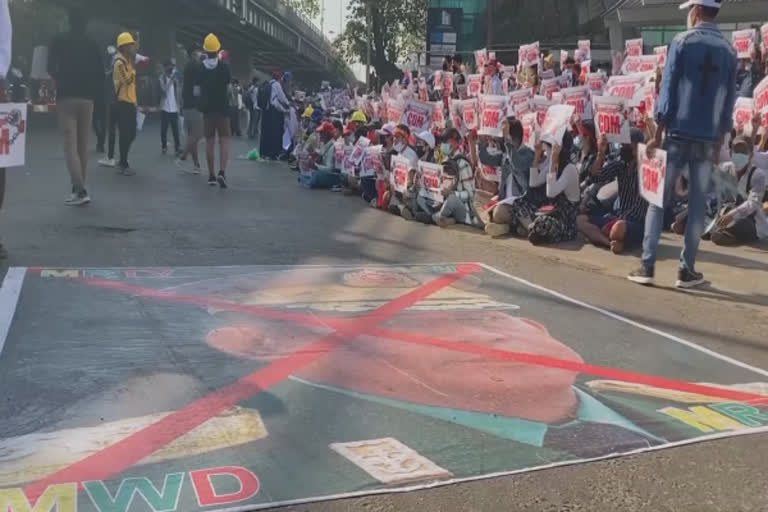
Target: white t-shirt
{"points": [[170, 105], [568, 183]]}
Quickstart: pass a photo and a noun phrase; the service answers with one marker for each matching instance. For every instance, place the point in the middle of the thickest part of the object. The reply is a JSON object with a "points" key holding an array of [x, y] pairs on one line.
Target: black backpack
{"points": [[264, 97]]}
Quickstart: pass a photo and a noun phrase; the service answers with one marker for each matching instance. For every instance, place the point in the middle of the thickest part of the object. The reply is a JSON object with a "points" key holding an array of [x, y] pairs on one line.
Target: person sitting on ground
{"points": [[588, 155], [622, 229], [395, 202], [490, 155], [745, 221], [556, 221], [324, 174], [425, 146], [515, 175], [458, 187]]}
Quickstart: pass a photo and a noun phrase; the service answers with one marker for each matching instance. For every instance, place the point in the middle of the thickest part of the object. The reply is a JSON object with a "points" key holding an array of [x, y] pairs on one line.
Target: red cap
{"points": [[327, 128]]}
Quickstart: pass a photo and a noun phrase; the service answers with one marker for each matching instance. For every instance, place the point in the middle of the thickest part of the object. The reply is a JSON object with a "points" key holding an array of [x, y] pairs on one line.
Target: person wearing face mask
{"points": [[748, 76], [169, 107], [516, 162], [744, 221], [124, 79], [621, 229], [425, 146], [459, 190], [695, 112], [556, 221]]}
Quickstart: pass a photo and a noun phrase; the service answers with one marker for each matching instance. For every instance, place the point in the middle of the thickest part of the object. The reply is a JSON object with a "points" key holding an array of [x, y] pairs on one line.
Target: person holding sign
{"points": [[695, 111], [624, 228], [458, 185], [748, 76]]}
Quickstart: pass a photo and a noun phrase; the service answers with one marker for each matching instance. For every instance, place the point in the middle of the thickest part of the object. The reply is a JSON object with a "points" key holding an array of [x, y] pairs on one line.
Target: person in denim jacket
{"points": [[694, 110]]}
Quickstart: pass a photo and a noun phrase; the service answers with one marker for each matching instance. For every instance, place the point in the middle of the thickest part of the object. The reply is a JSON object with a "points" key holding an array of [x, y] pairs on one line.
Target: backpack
{"points": [[264, 97]]}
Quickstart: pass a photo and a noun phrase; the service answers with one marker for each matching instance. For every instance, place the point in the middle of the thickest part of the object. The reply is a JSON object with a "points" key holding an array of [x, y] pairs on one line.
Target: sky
{"points": [[335, 16]]}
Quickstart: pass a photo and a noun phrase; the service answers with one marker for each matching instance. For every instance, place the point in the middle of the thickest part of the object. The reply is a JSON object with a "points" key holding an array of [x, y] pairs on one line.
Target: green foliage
{"points": [[309, 8], [35, 22], [398, 29]]}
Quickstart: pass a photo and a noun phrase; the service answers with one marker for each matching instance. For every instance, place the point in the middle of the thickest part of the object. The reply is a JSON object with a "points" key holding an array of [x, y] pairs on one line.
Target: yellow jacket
{"points": [[124, 79]]}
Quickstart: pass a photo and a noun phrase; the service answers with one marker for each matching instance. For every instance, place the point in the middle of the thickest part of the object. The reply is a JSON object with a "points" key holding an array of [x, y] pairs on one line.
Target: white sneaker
{"points": [[77, 200], [107, 162], [182, 165]]}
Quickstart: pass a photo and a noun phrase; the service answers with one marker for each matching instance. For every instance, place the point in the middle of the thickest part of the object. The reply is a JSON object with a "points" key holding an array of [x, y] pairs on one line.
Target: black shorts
{"points": [[216, 124]]}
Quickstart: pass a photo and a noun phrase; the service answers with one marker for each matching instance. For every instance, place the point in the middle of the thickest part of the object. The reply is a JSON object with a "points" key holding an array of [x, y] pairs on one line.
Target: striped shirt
{"points": [[632, 206]]}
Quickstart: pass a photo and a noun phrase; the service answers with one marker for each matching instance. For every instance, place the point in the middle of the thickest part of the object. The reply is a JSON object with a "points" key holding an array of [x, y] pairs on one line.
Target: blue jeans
{"points": [[699, 157]]}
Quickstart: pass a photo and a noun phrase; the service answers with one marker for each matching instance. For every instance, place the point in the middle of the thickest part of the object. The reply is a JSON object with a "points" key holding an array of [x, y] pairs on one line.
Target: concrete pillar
{"points": [[616, 36], [240, 61]]}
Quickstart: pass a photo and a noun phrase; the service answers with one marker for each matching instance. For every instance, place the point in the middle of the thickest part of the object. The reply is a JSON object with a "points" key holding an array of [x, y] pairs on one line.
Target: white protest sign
{"points": [[490, 173], [743, 111], [586, 68], [491, 55], [469, 114], [596, 83], [492, 115], [556, 123], [447, 82], [547, 74], [764, 36], [438, 80], [585, 48], [651, 175], [529, 129], [457, 119], [348, 167], [540, 107], [629, 87], [743, 42], [438, 116], [611, 119], [371, 165], [528, 54], [423, 92], [394, 111], [519, 103], [633, 47], [661, 55], [631, 64], [474, 85], [481, 58], [430, 177], [399, 177], [761, 95], [13, 134], [549, 87], [647, 63], [338, 150], [649, 98], [578, 97], [417, 115]]}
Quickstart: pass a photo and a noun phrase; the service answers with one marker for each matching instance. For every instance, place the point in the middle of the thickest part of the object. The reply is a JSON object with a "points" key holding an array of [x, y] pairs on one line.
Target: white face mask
{"points": [[399, 147], [493, 151], [740, 161]]}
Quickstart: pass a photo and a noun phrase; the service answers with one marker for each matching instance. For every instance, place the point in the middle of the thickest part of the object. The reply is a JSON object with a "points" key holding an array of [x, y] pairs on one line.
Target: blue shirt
{"points": [[698, 88]]}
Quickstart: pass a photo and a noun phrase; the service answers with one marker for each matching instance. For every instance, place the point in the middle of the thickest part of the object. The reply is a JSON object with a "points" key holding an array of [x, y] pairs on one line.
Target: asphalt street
{"points": [[163, 218]]}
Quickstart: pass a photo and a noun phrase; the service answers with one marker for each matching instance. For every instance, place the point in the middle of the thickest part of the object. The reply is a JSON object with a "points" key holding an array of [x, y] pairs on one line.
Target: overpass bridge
{"points": [[259, 34]]}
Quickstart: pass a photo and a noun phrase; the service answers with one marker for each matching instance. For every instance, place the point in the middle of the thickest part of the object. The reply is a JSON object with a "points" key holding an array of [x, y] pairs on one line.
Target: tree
{"points": [[309, 8], [398, 29]]}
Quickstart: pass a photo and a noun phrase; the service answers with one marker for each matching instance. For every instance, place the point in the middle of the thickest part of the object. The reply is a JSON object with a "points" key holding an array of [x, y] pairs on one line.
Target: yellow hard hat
{"points": [[211, 43], [358, 116], [125, 38], [308, 111]]}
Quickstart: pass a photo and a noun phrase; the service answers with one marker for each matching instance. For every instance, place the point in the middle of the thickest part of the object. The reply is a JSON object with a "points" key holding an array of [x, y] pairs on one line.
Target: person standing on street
{"points": [[124, 79], [273, 120], [193, 118], [235, 104], [5, 63], [252, 103], [169, 107], [216, 84], [75, 63], [695, 111]]}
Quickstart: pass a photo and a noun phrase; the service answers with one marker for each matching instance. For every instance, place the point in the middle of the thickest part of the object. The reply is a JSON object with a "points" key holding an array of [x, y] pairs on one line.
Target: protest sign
{"points": [[540, 107], [447, 82], [519, 103], [394, 111], [399, 177], [492, 115], [617, 63], [529, 129], [764, 37], [651, 174], [630, 65], [371, 164], [491, 55], [358, 151], [661, 55], [585, 47], [611, 119], [629, 87], [469, 114], [338, 150], [563, 58], [649, 98], [13, 134], [481, 58], [457, 116], [557, 120], [596, 83], [417, 115], [430, 177], [558, 98], [438, 116], [528, 54], [438, 81], [549, 87], [743, 42], [490, 173], [761, 95], [547, 74], [633, 47], [474, 84], [586, 68], [578, 97], [763, 119], [423, 91], [647, 63], [564, 80], [742, 114], [348, 166]]}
